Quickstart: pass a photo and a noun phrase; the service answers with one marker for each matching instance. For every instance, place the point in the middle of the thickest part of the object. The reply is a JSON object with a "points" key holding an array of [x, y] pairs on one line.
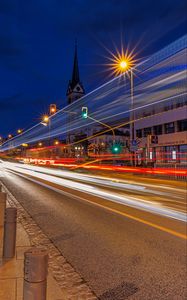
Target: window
{"points": [[168, 107], [147, 131], [181, 103], [139, 133], [157, 129], [169, 127], [183, 153], [182, 125], [170, 153]]}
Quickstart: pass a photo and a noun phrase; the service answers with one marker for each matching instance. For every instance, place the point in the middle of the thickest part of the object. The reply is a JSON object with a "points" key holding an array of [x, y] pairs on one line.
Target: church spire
{"points": [[75, 75], [75, 88]]}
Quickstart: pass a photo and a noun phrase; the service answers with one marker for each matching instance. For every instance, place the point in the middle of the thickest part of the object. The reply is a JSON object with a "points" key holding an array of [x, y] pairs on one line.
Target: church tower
{"points": [[75, 88]]}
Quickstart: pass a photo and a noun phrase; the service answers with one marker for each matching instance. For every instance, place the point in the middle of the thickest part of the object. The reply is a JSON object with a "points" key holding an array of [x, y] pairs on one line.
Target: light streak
{"points": [[135, 202]]}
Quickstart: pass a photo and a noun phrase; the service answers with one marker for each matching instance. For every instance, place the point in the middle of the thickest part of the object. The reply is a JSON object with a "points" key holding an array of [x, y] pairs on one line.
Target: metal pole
{"points": [[9, 239], [132, 117], [35, 274], [3, 197]]}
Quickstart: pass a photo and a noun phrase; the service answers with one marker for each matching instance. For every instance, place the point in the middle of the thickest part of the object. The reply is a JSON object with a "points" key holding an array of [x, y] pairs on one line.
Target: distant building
{"points": [[101, 142]]}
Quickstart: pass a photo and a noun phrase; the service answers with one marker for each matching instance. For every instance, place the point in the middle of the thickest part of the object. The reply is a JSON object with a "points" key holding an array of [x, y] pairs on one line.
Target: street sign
{"points": [[134, 143]]}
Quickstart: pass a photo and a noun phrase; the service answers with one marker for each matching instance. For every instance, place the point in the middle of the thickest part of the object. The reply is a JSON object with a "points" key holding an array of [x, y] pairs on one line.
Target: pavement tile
{"points": [[11, 268], [8, 289], [19, 289], [22, 238], [20, 251]]}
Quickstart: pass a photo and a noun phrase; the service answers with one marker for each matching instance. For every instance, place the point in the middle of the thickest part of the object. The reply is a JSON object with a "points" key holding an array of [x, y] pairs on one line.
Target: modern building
{"points": [[162, 135], [160, 108]]}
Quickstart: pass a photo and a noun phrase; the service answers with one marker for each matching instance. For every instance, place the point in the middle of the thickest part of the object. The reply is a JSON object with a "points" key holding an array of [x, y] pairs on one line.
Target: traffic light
{"points": [[52, 109], [154, 139], [116, 148], [85, 112]]}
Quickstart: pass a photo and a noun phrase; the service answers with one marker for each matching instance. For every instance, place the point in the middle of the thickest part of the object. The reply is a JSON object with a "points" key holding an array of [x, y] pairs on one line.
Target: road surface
{"points": [[126, 239]]}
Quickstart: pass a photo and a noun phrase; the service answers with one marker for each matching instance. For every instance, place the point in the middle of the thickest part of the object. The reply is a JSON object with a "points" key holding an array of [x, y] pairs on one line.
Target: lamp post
{"points": [[124, 63], [46, 121]]}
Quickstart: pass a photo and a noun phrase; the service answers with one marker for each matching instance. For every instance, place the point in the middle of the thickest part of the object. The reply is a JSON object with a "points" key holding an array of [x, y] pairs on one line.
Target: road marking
{"points": [[58, 190]]}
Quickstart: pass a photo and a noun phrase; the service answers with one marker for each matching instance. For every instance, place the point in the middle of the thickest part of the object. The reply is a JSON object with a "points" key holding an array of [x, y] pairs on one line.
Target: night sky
{"points": [[37, 39]]}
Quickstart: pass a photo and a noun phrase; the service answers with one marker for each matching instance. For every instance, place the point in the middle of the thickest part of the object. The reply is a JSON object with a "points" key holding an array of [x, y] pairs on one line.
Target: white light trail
{"points": [[90, 188]]}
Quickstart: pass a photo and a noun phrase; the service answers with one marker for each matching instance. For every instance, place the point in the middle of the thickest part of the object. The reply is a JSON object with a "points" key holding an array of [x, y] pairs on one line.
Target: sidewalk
{"points": [[11, 271], [63, 282]]}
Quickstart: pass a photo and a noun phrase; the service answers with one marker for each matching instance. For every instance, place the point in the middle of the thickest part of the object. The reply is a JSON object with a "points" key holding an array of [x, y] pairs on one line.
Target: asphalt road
{"points": [[122, 251]]}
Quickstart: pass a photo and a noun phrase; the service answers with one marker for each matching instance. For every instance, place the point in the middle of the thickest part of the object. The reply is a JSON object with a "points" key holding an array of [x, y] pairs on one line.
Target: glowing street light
{"points": [[19, 131], [121, 62], [124, 63], [45, 120], [10, 136]]}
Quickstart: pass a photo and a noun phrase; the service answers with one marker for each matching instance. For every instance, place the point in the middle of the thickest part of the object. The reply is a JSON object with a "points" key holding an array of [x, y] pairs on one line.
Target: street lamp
{"points": [[19, 131], [123, 63], [45, 122], [56, 142]]}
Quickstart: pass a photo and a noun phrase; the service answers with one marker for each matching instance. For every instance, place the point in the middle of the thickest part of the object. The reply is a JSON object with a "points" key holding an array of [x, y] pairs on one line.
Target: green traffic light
{"points": [[84, 115], [116, 149], [84, 112]]}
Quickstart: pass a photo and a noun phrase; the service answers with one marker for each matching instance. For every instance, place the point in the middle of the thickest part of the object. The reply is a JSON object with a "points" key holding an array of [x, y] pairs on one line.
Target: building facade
{"points": [[162, 135]]}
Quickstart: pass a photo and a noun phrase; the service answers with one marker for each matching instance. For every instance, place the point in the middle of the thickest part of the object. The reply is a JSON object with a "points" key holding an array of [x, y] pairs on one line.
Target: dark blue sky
{"points": [[37, 46]]}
